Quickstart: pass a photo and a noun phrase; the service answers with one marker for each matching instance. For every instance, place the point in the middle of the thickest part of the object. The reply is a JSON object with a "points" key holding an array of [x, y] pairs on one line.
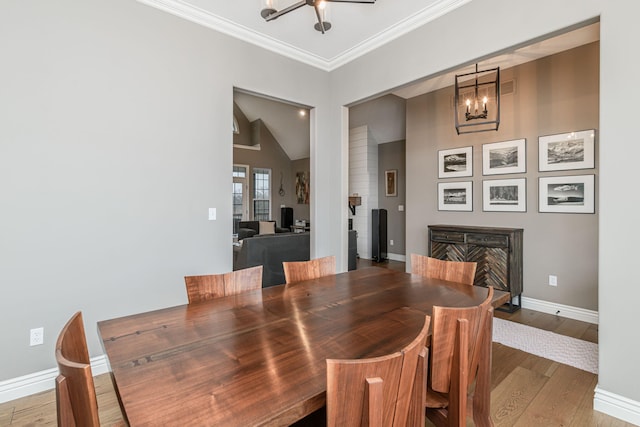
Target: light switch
{"points": [[212, 214], [401, 208]]}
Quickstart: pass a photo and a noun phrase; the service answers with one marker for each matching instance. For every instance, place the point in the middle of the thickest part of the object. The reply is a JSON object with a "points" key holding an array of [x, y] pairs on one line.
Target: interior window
{"points": [[240, 194], [261, 194]]}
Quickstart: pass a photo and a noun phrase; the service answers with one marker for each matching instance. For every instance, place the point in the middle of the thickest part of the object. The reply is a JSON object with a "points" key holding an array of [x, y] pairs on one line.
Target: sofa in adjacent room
{"points": [[270, 250], [254, 228]]}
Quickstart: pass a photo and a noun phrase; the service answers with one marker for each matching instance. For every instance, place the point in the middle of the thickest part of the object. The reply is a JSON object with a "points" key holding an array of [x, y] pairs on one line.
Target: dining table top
{"points": [[259, 358]]}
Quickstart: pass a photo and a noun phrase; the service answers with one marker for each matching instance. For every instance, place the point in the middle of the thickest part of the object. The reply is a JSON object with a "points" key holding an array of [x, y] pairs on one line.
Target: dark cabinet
{"points": [[496, 250]]}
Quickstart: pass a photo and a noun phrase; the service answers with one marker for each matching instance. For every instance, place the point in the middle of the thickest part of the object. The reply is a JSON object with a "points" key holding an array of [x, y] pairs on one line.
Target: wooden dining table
{"points": [[258, 358]]}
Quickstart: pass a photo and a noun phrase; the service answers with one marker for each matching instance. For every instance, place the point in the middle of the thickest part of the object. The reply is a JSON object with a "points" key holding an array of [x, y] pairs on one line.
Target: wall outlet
{"points": [[36, 336], [553, 280], [390, 242]]}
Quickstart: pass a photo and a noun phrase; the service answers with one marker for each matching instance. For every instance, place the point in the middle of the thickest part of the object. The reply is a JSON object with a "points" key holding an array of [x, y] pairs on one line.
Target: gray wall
{"points": [[114, 141], [556, 94], [392, 156], [397, 63]]}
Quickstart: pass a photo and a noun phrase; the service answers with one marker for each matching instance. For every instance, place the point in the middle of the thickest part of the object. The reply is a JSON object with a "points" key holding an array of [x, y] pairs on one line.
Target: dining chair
{"points": [[76, 401], [297, 271], [452, 271], [378, 391], [460, 353], [203, 288]]}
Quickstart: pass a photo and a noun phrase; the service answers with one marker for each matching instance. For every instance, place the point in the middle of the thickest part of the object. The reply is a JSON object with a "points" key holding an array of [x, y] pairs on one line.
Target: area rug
{"points": [[559, 348]]}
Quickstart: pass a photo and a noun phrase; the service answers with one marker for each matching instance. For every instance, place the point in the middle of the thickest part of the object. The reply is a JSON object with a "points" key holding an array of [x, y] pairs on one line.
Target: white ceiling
{"points": [[356, 28]]}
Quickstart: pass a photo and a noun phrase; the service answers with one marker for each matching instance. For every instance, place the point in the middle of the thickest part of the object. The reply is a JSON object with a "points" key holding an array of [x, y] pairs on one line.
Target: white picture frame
{"points": [[455, 162], [567, 194], [455, 196], [505, 157], [567, 151], [504, 195]]}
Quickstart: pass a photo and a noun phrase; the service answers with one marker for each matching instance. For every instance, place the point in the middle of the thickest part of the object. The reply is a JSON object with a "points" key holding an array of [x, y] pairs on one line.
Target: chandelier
{"points": [[477, 101], [269, 10]]}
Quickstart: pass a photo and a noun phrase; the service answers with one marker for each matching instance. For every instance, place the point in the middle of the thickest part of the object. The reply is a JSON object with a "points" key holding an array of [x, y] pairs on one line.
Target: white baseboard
{"points": [[397, 257], [37, 382], [617, 406], [561, 310]]}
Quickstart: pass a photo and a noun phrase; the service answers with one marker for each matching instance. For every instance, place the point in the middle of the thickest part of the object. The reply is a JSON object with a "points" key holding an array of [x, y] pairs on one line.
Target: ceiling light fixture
{"points": [[269, 10], [484, 90]]}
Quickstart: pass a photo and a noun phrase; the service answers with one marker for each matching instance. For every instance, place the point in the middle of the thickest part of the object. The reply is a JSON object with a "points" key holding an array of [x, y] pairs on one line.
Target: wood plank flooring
{"points": [[527, 390]]}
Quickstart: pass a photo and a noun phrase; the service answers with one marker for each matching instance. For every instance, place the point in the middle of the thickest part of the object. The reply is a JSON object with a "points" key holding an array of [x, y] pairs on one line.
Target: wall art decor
{"points": [[455, 196], [567, 194], [504, 195], [455, 163], [302, 188], [504, 157], [567, 151], [391, 184]]}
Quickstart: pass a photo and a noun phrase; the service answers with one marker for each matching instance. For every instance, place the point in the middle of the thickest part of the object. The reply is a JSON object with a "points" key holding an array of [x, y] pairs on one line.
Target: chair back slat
{"points": [[203, 288], [75, 393], [297, 271], [452, 271], [376, 391], [460, 354]]}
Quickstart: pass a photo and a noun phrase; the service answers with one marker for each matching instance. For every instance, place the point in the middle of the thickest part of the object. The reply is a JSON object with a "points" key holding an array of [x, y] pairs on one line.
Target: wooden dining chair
{"points": [[76, 401], [452, 271], [379, 391], [203, 288], [297, 271], [460, 354]]}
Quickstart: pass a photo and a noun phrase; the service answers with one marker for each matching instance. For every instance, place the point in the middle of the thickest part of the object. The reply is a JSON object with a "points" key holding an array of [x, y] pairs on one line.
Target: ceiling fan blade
{"points": [[279, 13], [319, 16]]}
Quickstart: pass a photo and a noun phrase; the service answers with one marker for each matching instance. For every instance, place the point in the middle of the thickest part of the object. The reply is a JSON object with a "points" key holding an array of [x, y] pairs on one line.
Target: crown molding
{"points": [[403, 27], [202, 17]]}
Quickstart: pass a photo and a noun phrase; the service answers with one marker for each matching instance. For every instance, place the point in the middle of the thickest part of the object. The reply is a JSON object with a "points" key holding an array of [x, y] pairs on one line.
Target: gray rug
{"points": [[559, 348]]}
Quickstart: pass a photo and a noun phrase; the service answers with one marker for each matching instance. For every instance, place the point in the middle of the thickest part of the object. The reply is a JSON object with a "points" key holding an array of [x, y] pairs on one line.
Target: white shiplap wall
{"points": [[363, 181]]}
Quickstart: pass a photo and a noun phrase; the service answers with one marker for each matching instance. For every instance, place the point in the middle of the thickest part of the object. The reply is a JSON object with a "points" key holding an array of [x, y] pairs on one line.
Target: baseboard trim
{"points": [[397, 257], [561, 310], [26, 385], [616, 406]]}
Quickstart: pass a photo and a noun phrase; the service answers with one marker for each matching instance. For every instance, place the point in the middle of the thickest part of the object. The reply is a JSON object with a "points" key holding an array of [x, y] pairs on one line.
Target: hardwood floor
{"points": [[527, 390]]}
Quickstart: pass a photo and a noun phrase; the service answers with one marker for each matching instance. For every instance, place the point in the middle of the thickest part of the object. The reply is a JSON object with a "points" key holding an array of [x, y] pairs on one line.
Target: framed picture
{"points": [[504, 195], [391, 185], [567, 151], [567, 194], [504, 157], [302, 188], [455, 163], [455, 196]]}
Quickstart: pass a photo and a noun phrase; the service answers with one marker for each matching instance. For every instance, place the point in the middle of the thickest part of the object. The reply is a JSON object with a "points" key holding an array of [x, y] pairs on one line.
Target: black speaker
{"points": [[286, 217], [378, 234]]}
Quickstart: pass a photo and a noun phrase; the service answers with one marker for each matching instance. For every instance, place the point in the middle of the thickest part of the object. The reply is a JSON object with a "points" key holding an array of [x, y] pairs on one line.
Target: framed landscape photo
{"points": [[504, 195], [504, 157], [455, 163], [455, 196], [391, 184], [567, 194], [567, 151]]}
